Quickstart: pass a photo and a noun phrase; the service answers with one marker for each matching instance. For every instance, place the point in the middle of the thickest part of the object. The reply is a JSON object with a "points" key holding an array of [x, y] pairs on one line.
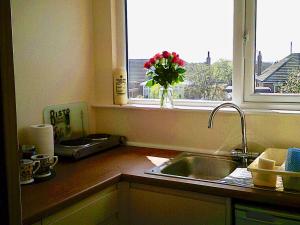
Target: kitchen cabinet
{"points": [[136, 204], [150, 205], [38, 223], [100, 208]]}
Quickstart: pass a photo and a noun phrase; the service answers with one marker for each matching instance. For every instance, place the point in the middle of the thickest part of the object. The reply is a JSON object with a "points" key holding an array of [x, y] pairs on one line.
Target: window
{"points": [[241, 50], [273, 55], [190, 29]]}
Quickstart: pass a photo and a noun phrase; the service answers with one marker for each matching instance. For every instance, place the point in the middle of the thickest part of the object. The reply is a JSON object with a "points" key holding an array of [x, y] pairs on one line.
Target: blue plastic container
{"points": [[293, 160]]}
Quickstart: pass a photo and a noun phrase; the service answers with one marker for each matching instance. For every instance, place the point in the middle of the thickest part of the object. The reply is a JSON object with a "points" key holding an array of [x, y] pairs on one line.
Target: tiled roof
{"points": [[279, 72], [264, 66]]}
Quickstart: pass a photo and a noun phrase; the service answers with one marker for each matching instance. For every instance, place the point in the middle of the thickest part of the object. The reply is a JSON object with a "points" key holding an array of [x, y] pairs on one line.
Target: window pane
{"points": [[200, 31], [277, 67]]}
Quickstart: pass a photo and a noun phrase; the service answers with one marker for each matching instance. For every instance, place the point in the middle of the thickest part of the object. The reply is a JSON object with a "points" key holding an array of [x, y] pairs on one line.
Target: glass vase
{"points": [[166, 97]]}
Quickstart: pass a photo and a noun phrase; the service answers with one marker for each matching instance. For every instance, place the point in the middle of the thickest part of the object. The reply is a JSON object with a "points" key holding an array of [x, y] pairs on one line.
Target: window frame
{"points": [[249, 59], [244, 33]]}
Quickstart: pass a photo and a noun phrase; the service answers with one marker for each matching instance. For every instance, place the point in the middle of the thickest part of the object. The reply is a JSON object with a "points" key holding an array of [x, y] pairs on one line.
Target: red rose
{"points": [[158, 56], [152, 60], [181, 62], [147, 65], [175, 59], [166, 54], [175, 54]]}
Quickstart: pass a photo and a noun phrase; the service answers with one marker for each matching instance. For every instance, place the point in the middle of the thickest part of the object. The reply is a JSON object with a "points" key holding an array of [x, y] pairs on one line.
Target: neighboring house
{"points": [[137, 76], [275, 75]]}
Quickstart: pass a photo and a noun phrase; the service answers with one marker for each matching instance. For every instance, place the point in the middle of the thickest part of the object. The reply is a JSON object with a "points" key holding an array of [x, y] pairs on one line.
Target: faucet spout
{"points": [[243, 121]]}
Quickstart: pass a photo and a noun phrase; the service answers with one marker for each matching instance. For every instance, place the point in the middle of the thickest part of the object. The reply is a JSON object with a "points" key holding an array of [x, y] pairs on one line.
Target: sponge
{"points": [[265, 179], [293, 160], [267, 164]]}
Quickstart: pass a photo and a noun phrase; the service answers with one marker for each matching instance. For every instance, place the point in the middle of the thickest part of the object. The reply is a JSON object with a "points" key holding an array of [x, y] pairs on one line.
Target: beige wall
{"points": [[188, 130], [109, 43], [53, 55], [103, 51]]}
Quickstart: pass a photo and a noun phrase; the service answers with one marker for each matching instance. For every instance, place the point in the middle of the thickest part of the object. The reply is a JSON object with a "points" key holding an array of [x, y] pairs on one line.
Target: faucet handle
{"points": [[239, 154], [253, 155]]}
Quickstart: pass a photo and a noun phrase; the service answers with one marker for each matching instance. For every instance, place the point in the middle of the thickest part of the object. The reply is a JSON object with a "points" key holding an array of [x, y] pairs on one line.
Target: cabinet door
{"points": [[111, 221], [91, 211], [38, 223], [159, 206]]}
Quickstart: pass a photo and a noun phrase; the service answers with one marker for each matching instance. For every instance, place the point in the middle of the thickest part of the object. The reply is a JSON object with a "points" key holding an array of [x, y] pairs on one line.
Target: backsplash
{"points": [[189, 130]]}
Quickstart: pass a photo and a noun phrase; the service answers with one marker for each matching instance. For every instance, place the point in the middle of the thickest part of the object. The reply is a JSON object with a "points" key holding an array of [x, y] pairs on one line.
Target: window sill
{"points": [[148, 107]]}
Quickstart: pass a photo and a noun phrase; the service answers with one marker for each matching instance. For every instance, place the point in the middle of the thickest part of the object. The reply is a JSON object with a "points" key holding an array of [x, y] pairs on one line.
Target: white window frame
{"points": [[249, 59], [244, 21]]}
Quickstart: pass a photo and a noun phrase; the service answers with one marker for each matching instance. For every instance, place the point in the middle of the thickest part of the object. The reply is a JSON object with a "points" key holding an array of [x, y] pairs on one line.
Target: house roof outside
{"points": [[264, 66], [279, 72]]}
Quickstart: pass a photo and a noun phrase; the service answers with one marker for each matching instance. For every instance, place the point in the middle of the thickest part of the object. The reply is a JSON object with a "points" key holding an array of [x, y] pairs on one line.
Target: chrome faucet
{"points": [[243, 125]]}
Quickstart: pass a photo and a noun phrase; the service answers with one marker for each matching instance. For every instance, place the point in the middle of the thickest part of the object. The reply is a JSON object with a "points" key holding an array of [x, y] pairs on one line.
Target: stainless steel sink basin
{"points": [[201, 167], [197, 166]]}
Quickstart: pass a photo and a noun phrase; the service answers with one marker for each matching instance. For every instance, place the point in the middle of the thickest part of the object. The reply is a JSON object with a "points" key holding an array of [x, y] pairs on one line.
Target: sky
{"points": [[194, 27], [277, 25]]}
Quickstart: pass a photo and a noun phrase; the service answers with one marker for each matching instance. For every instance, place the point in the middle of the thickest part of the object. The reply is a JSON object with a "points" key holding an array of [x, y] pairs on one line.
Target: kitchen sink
{"points": [[203, 167], [200, 167]]}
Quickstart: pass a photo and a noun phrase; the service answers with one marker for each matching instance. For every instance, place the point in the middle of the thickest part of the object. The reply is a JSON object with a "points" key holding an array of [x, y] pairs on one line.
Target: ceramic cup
{"points": [[47, 164], [28, 151], [27, 169]]}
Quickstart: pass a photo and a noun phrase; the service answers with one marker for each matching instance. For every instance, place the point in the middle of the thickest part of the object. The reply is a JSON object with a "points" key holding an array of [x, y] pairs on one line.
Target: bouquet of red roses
{"points": [[165, 69]]}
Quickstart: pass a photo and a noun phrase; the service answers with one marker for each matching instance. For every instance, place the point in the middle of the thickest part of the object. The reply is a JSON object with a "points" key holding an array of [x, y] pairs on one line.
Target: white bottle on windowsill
{"points": [[120, 86]]}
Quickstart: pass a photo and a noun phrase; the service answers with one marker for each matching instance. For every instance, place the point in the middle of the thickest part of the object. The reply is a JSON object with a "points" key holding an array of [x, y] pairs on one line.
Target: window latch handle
{"points": [[246, 37]]}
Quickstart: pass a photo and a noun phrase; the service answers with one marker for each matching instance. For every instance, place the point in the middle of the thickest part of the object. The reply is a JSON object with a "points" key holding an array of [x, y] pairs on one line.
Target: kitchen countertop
{"points": [[76, 180]]}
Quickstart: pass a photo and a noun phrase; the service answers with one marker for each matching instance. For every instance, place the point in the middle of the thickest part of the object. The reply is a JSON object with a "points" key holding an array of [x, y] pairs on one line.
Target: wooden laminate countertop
{"points": [[76, 180]]}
